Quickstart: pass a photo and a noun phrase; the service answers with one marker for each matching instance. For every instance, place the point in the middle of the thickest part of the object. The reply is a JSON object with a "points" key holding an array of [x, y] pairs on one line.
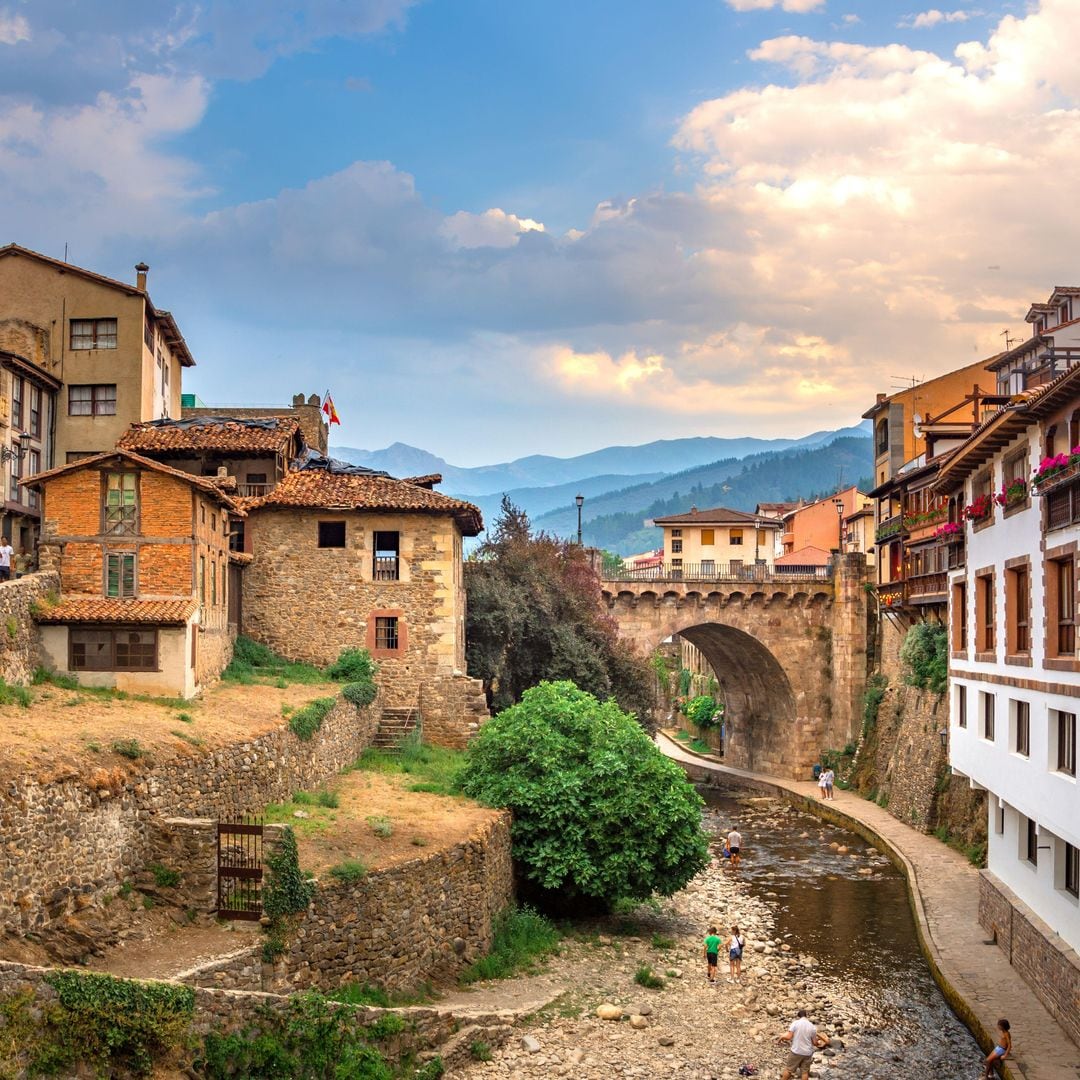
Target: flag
{"points": [[328, 408]]}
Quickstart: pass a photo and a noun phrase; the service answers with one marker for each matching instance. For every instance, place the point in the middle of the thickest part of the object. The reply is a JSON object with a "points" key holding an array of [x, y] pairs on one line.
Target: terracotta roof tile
{"points": [[718, 515], [271, 434], [98, 609], [324, 489]]}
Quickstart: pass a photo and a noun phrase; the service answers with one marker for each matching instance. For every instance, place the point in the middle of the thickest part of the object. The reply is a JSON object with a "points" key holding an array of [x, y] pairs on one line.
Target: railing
{"points": [[891, 594], [1063, 506], [925, 586], [385, 568], [733, 572], [251, 491], [890, 527]]}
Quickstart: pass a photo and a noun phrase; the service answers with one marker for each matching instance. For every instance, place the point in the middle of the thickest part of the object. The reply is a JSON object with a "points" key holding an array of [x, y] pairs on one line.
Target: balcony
{"points": [[721, 572], [888, 529], [891, 594], [927, 588], [385, 568], [252, 491]]}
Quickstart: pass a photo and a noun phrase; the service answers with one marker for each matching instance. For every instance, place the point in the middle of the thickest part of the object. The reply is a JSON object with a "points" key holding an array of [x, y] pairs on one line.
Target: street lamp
{"points": [[579, 499], [7, 454], [839, 504], [943, 734]]}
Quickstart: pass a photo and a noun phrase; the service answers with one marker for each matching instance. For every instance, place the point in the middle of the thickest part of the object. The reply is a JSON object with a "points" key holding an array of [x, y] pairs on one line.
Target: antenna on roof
{"points": [[905, 382], [65, 251], [1008, 340]]}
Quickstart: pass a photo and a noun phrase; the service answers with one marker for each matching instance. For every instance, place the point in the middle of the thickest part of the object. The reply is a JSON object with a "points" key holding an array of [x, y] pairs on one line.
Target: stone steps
{"points": [[396, 725]]}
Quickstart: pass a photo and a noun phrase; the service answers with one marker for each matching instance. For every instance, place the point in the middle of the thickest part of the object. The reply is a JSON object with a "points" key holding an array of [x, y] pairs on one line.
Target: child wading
{"points": [[712, 953], [1001, 1051], [735, 945]]}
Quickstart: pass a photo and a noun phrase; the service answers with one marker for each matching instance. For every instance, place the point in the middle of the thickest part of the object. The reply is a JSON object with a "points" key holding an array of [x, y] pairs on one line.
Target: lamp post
{"points": [[7, 454], [943, 734], [579, 499], [839, 504]]}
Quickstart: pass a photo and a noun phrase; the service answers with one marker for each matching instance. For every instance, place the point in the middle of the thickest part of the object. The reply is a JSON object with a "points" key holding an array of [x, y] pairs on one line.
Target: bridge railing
{"points": [[721, 572]]}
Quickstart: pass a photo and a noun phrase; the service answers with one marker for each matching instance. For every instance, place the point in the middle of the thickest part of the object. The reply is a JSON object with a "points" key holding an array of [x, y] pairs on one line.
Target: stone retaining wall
{"points": [[1048, 966], [420, 921], [20, 650], [65, 843]]}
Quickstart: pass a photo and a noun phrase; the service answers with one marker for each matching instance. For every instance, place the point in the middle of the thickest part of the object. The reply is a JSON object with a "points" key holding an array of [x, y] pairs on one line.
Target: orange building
{"points": [[820, 525], [143, 555]]}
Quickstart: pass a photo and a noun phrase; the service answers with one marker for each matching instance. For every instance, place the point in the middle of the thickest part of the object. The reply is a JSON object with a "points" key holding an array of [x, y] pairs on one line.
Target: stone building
{"points": [[342, 556], [143, 552], [307, 412], [82, 356], [1015, 670]]}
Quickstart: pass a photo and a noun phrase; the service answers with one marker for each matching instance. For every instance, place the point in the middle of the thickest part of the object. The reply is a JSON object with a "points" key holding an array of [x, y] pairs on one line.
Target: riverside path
{"points": [[974, 976]]}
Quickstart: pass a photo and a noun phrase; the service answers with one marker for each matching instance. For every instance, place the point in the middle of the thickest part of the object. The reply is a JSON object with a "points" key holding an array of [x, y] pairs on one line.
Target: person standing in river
{"points": [[804, 1039], [734, 843], [735, 949], [712, 953]]}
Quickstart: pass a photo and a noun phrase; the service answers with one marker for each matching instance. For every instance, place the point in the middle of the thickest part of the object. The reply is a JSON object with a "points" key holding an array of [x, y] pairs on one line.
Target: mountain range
{"points": [[625, 485]]}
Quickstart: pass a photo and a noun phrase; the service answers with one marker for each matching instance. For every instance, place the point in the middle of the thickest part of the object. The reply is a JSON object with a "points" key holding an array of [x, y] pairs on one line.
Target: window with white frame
{"points": [[93, 333]]}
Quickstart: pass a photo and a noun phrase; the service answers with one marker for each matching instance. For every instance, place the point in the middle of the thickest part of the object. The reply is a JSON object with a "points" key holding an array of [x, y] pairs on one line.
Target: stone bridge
{"points": [[789, 649]]}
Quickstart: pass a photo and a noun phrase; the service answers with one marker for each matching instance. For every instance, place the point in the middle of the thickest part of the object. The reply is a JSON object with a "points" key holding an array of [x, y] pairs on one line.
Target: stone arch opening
{"points": [[760, 705]]}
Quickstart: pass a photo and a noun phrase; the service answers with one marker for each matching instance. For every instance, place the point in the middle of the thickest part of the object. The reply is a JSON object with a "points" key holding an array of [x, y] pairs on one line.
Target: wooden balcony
{"points": [[721, 572], [890, 529], [927, 588], [251, 491]]}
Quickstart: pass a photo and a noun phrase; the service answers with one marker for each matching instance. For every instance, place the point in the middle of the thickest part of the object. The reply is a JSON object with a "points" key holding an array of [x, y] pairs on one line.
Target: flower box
{"points": [[979, 509], [1015, 492]]}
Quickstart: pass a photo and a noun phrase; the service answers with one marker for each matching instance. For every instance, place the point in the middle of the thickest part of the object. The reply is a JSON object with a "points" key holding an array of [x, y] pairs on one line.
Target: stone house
{"points": [[342, 556], [143, 553], [306, 411], [82, 356]]}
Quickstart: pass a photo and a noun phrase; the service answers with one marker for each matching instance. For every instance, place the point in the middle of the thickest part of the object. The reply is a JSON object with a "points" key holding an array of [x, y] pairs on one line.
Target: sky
{"points": [[492, 229]]}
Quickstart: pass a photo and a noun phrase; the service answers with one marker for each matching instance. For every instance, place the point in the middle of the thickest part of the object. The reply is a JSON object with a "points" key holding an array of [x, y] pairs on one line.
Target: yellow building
{"points": [[705, 543], [83, 357]]}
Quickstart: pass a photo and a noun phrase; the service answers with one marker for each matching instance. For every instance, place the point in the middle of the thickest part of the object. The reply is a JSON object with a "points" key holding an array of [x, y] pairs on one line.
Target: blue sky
{"points": [[494, 229]]}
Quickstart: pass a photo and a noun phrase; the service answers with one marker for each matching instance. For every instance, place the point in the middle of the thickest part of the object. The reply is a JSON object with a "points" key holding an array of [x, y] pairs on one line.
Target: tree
{"points": [[534, 613], [599, 813]]}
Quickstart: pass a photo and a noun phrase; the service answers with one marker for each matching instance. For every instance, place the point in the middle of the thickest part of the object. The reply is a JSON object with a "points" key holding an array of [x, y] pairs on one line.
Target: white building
{"points": [[1014, 668]]}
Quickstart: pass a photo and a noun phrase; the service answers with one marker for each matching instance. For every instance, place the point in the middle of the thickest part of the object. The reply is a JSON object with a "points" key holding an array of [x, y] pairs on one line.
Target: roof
{"points": [[718, 515], [96, 609], [225, 435], [777, 509], [805, 556], [37, 375], [427, 481], [1001, 428], [325, 484], [173, 337], [886, 399], [207, 484]]}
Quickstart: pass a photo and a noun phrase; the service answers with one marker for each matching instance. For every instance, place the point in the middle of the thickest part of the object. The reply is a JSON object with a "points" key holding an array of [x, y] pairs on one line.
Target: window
{"points": [[763, 537], [1001, 819], [112, 650], [255, 483], [1066, 743], [708, 537], [121, 502], [1072, 870], [385, 565], [984, 613], [18, 390], [1051, 441], [331, 534], [16, 471], [1031, 842], [35, 411], [120, 573], [959, 617], [1074, 428], [1018, 610], [93, 333], [676, 547], [988, 716], [1022, 741], [165, 382], [92, 400], [202, 579], [736, 537], [882, 437], [961, 706], [213, 522], [386, 632], [1063, 575], [33, 466], [676, 532]]}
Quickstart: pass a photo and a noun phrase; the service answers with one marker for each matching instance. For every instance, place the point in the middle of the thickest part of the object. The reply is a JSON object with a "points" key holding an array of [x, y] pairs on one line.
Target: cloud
{"points": [[359, 84], [492, 228], [13, 28], [926, 19], [797, 7], [851, 19]]}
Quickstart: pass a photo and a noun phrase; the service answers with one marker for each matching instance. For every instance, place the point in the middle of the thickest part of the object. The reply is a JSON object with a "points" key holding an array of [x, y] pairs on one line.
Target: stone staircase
{"points": [[396, 725]]}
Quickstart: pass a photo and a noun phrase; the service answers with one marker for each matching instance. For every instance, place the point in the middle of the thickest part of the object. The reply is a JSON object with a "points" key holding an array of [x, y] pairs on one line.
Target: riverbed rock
{"points": [[530, 1044], [639, 1023], [607, 1011]]}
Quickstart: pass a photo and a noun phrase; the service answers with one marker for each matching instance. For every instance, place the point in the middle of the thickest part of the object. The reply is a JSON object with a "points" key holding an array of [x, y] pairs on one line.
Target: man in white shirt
{"points": [[734, 843], [6, 552], [804, 1039]]}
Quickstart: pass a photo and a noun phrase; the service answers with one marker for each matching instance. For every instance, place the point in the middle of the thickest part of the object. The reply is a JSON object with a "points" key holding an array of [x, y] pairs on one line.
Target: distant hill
{"points": [[538, 470], [617, 521]]}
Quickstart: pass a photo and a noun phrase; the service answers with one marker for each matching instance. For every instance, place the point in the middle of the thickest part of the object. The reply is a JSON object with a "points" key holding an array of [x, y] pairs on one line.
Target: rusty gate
{"points": [[240, 868]]}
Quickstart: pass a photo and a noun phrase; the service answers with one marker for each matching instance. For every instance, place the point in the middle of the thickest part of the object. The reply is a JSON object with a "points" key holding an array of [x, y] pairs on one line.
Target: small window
{"points": [[959, 617], [92, 400], [1031, 842], [1022, 744], [331, 534], [116, 649], [121, 502], [386, 632], [1065, 575], [213, 522], [93, 333], [213, 584], [1018, 602], [676, 547], [385, 558], [120, 573], [35, 411], [202, 579], [1066, 743], [1000, 820], [984, 611], [676, 532], [18, 391], [988, 716], [961, 706], [736, 537], [708, 537], [1072, 870]]}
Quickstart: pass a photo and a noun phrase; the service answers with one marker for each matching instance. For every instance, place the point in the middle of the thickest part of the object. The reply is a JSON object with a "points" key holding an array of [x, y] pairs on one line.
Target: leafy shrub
{"points": [[644, 976], [359, 693], [872, 699], [480, 1050], [662, 941], [164, 877], [128, 748], [353, 665], [925, 656], [685, 679], [703, 712], [254, 662], [328, 799], [113, 1024], [14, 695], [306, 721], [381, 826], [574, 772], [286, 891], [521, 936], [349, 871]]}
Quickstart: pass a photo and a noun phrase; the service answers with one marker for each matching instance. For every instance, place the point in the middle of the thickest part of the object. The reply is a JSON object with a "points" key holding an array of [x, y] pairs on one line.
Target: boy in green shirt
{"points": [[712, 953]]}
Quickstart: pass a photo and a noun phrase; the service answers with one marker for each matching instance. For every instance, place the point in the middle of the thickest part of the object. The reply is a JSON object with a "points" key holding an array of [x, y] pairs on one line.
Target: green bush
{"points": [[353, 665], [685, 679], [164, 877], [14, 695], [925, 656], [128, 748], [359, 693], [644, 976], [703, 712], [349, 871], [286, 891], [574, 772], [872, 699], [306, 721], [522, 935]]}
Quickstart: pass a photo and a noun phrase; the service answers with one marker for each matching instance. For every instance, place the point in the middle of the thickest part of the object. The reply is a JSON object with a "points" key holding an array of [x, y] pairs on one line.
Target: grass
{"points": [[128, 748], [349, 871], [480, 1050], [319, 817], [974, 853], [183, 735], [683, 735], [522, 937], [645, 976], [164, 877], [327, 799], [254, 663], [434, 768], [381, 826], [305, 721], [14, 695], [699, 746], [377, 997], [103, 693], [662, 941]]}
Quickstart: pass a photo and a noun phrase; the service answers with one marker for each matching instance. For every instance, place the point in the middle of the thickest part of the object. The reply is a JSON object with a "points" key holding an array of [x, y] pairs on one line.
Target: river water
{"points": [[860, 930]]}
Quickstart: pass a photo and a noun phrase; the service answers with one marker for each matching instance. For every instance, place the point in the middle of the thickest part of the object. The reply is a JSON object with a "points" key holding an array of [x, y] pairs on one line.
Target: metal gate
{"points": [[239, 868]]}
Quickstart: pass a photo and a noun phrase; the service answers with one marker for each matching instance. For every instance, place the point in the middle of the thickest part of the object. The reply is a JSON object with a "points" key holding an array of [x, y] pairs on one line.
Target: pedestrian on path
{"points": [[830, 779], [734, 843], [821, 782], [735, 950], [1001, 1051], [712, 953], [804, 1039]]}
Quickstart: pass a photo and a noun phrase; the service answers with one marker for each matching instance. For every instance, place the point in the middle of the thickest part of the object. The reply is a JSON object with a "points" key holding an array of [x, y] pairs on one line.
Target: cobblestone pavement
{"points": [[945, 888]]}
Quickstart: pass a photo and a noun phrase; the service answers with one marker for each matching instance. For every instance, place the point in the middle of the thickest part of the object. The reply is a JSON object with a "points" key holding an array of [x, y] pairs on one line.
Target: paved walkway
{"points": [[975, 977]]}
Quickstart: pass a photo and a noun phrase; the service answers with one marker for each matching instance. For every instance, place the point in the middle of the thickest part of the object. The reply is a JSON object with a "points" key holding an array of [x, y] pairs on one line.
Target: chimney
{"points": [[222, 471], [140, 276], [693, 509]]}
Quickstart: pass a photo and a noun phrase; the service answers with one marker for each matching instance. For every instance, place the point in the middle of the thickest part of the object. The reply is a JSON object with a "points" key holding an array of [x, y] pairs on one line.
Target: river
{"points": [[859, 929]]}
